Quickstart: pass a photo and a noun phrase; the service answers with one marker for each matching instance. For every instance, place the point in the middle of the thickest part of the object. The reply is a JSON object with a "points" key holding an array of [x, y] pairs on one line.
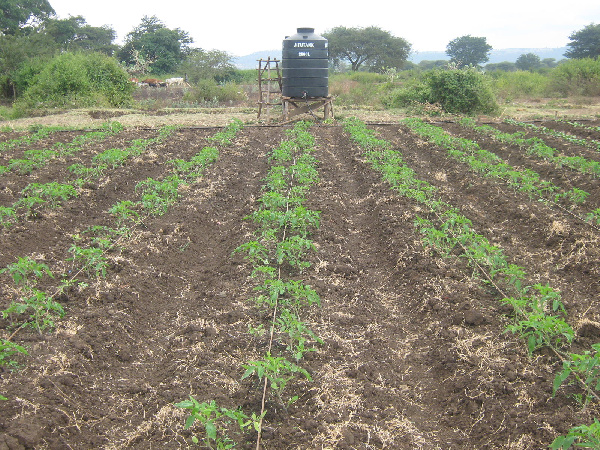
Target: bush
{"points": [[515, 85], [78, 80], [209, 91], [461, 91], [357, 88], [413, 92], [576, 77]]}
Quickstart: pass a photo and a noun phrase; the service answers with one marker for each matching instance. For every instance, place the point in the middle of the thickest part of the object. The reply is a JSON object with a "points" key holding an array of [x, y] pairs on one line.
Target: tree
{"points": [[468, 51], [15, 14], [370, 47], [585, 43], [549, 62], [81, 79], [20, 54], [75, 34], [504, 66], [161, 47], [432, 64], [528, 61], [202, 65]]}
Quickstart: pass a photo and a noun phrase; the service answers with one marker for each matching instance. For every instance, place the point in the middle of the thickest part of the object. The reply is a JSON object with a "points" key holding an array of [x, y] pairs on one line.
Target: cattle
{"points": [[153, 82], [177, 82], [174, 81]]}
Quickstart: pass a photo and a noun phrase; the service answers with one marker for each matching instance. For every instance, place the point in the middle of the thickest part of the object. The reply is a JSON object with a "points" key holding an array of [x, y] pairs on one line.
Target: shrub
{"points": [[357, 88], [410, 94], [520, 84], [576, 77], [208, 90], [78, 80], [462, 91]]}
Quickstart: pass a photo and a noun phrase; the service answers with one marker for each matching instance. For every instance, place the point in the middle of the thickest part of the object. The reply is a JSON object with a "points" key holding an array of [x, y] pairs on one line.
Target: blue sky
{"points": [[241, 27]]}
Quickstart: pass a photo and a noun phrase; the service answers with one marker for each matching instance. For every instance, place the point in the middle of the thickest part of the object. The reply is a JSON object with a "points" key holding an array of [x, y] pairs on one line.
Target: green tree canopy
{"points": [[201, 65], [369, 47], [22, 55], [75, 34], [432, 64], [549, 62], [585, 43], [15, 14], [163, 48], [80, 79], [528, 61], [504, 66], [468, 51]]}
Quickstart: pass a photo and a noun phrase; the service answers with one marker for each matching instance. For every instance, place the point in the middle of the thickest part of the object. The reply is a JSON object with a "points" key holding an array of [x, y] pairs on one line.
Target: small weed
{"points": [[278, 370], [26, 272], [214, 419], [7, 350], [41, 307], [583, 436], [91, 260], [8, 216]]}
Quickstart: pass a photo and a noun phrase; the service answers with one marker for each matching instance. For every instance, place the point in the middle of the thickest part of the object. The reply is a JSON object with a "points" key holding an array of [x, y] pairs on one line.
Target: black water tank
{"points": [[305, 65]]}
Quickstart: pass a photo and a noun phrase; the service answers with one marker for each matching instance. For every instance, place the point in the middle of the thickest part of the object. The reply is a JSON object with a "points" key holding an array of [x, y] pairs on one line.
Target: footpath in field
{"points": [[414, 354]]}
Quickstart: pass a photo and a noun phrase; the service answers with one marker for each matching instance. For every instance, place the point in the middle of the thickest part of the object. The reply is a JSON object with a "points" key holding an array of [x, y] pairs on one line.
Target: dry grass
{"points": [[221, 116]]}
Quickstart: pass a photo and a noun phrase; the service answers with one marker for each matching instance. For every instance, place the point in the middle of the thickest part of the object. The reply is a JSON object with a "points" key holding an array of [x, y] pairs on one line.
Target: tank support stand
{"points": [[268, 72], [295, 106]]}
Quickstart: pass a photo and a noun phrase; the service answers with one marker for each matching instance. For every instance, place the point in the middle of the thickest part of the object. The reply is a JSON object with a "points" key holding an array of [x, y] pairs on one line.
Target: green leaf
{"points": [[558, 380], [211, 430], [186, 404], [190, 421]]}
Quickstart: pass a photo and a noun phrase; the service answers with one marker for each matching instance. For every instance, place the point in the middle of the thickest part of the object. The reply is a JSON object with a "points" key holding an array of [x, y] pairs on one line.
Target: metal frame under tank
{"points": [[302, 78]]}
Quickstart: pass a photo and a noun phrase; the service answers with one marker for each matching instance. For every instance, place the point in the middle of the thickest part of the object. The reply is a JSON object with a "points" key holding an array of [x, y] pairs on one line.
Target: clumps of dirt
{"points": [[105, 114]]}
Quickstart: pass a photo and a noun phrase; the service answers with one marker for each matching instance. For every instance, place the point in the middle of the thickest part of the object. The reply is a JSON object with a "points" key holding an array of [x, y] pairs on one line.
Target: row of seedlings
{"points": [[38, 132], [37, 158], [36, 308], [582, 126], [491, 165], [536, 146], [33, 306], [35, 197], [277, 254], [539, 315], [156, 197], [591, 143]]}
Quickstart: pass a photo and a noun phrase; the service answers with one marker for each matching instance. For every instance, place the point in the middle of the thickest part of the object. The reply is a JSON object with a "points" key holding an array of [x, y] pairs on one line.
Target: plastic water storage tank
{"points": [[305, 65]]}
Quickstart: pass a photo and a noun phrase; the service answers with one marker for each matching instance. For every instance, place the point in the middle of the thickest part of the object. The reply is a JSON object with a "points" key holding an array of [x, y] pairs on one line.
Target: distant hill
{"points": [[496, 56], [251, 61]]}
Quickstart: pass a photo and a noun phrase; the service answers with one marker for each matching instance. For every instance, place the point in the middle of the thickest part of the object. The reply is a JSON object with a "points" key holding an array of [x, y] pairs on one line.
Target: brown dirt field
{"points": [[414, 353]]}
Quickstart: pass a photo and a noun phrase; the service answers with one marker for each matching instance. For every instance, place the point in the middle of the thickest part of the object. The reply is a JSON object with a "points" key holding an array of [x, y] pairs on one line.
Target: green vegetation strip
{"points": [[37, 309], [539, 315], [277, 256], [536, 146], [36, 197], [559, 134], [581, 125], [38, 133], [37, 158], [491, 165]]}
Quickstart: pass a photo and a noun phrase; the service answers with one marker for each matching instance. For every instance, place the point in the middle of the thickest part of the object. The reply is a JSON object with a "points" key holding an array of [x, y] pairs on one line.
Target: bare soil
{"points": [[414, 355]]}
